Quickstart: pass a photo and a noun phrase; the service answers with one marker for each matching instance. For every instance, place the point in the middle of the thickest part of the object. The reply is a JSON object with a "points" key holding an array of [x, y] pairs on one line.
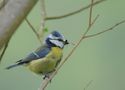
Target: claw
{"points": [[47, 76]]}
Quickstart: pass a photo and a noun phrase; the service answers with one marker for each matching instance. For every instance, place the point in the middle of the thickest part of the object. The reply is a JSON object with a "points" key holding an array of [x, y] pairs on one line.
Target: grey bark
{"points": [[11, 16]]}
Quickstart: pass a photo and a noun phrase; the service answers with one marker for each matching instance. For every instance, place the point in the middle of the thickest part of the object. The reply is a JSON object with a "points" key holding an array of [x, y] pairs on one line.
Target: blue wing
{"points": [[39, 53]]}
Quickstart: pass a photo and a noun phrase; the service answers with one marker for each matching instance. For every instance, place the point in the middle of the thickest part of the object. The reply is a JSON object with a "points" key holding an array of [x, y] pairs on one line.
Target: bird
{"points": [[45, 59]]}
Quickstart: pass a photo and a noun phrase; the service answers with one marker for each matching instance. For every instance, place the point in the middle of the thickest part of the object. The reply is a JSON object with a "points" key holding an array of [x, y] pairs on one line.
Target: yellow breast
{"points": [[48, 63], [57, 52]]}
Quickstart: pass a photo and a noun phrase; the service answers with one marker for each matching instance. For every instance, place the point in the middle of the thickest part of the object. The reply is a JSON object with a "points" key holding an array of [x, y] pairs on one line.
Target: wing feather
{"points": [[41, 52]]}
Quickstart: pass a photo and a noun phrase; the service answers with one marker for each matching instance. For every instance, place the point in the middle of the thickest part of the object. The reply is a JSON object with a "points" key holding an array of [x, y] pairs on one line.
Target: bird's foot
{"points": [[47, 76]]}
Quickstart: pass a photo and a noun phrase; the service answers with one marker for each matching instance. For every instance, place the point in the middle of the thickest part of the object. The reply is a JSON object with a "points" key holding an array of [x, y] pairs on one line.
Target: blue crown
{"points": [[56, 34]]}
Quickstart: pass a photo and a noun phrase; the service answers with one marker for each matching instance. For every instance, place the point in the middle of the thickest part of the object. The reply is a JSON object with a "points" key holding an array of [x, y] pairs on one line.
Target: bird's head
{"points": [[56, 39]]}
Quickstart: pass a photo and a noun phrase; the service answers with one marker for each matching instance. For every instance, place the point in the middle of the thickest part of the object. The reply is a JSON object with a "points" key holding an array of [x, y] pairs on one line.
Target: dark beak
{"points": [[66, 42]]}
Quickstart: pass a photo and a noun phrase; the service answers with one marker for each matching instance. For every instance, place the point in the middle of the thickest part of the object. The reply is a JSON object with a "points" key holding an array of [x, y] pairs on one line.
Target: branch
{"points": [[90, 14], [4, 50], [90, 17], [109, 29], [74, 12], [88, 84], [43, 13], [33, 29], [3, 3], [11, 16]]}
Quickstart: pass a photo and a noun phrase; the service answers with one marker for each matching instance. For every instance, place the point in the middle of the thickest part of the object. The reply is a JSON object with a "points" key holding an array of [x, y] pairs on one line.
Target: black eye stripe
{"points": [[59, 39]]}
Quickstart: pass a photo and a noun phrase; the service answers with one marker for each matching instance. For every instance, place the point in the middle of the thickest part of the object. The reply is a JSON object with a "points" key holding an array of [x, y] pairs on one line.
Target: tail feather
{"points": [[12, 66]]}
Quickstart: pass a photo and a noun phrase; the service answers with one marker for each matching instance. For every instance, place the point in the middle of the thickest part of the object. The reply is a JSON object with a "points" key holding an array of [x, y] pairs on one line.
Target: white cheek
{"points": [[57, 43]]}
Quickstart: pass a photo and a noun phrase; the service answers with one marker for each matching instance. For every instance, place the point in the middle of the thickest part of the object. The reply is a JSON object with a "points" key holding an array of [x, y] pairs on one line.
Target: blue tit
{"points": [[46, 58]]}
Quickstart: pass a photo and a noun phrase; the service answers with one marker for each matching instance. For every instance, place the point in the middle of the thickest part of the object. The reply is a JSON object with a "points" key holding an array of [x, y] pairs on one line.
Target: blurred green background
{"points": [[101, 59]]}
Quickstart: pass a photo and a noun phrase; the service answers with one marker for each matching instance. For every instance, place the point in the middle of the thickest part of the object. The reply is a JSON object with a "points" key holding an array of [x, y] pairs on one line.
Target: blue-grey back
{"points": [[41, 52]]}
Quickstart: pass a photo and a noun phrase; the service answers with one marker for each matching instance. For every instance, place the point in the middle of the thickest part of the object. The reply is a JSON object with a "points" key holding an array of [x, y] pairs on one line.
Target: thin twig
{"points": [[43, 13], [90, 17], [95, 19], [88, 84], [74, 12], [78, 43], [33, 29], [90, 14], [92, 22], [109, 29]]}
